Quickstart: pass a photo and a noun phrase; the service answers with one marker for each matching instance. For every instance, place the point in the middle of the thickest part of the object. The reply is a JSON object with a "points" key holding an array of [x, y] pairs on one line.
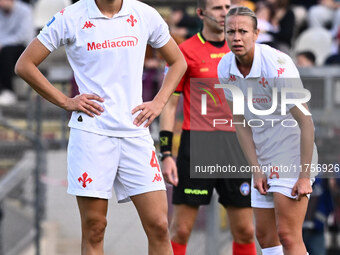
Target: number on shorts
{"points": [[154, 161]]}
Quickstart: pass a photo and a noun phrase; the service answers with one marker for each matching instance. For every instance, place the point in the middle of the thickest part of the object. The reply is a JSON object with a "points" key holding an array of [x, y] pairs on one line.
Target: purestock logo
{"points": [[119, 42]]}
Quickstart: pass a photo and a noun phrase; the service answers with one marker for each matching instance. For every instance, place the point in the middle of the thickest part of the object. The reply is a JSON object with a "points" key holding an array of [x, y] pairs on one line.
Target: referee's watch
{"points": [[162, 156]]}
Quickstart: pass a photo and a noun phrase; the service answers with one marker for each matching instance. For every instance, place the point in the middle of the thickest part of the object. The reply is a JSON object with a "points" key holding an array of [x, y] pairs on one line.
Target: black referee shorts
{"points": [[218, 147]]}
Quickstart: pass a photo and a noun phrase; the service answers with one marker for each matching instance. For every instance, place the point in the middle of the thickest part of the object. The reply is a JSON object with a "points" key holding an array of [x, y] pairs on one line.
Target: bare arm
{"points": [[177, 67], [245, 138], [27, 69], [303, 186], [167, 123], [168, 115]]}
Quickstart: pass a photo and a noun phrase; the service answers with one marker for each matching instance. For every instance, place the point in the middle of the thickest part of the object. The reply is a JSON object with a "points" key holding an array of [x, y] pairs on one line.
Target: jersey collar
{"points": [[94, 11], [255, 71], [200, 37]]}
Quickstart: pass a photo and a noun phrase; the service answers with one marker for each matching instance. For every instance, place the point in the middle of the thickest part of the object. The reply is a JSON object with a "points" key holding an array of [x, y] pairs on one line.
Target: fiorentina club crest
{"points": [[263, 82], [84, 179], [131, 20]]}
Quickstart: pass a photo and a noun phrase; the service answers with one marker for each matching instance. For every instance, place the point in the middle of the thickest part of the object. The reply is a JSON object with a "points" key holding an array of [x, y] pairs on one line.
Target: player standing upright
{"points": [[110, 145], [203, 52]]}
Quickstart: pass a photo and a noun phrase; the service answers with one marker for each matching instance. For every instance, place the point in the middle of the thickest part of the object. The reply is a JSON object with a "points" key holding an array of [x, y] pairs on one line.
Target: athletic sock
{"points": [[244, 249], [179, 249], [276, 250]]}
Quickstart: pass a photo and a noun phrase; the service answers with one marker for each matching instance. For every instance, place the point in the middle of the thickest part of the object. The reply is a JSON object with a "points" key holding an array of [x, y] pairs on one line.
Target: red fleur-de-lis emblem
{"points": [[88, 24], [280, 71], [274, 173], [263, 82], [84, 179], [232, 78], [132, 20], [157, 178], [62, 11]]}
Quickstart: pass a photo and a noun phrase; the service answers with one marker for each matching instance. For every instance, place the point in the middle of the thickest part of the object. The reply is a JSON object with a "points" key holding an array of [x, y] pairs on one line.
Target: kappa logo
{"points": [[280, 71], [88, 24], [232, 78], [84, 179], [131, 20], [157, 178]]}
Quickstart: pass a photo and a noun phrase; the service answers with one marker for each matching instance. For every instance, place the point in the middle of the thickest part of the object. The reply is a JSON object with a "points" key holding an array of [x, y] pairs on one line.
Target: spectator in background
{"points": [[264, 13], [304, 3], [334, 219], [16, 28], [182, 25], [300, 9], [319, 208], [335, 58], [152, 79], [283, 20], [325, 14], [305, 59], [246, 3]]}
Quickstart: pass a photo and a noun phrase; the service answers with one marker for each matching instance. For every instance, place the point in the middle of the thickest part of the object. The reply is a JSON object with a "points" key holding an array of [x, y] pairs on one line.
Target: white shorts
{"points": [[280, 182], [267, 201], [96, 163]]}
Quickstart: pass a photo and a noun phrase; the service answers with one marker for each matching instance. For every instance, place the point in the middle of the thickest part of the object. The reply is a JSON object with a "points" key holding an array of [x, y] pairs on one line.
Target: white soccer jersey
{"points": [[107, 56], [275, 142]]}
